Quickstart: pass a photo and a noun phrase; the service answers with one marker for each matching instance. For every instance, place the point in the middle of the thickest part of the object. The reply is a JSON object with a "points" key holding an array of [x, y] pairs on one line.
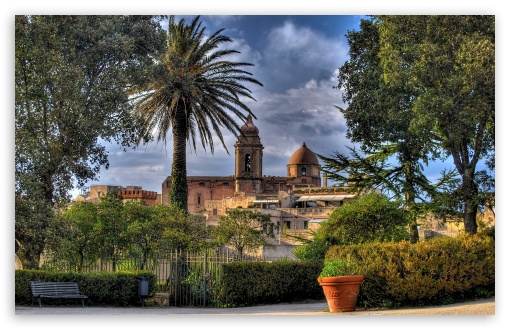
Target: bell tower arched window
{"points": [[247, 163]]}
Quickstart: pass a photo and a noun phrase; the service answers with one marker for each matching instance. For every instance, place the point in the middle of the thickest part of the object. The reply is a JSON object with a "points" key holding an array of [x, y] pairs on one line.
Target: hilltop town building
{"points": [[296, 201], [127, 193]]}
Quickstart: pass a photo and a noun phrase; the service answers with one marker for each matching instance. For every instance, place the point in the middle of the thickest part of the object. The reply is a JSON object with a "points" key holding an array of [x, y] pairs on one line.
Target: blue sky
{"points": [[297, 58], [296, 51]]}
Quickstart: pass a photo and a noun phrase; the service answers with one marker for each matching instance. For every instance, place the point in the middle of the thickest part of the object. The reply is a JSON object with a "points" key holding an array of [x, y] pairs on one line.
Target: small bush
{"points": [[339, 267]]}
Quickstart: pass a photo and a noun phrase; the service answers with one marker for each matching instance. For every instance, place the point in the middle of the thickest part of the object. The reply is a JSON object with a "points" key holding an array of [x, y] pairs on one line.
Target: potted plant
{"points": [[341, 281]]}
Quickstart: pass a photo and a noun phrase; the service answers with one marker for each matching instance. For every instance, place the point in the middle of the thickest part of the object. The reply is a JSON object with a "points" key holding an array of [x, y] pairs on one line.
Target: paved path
{"points": [[478, 307]]}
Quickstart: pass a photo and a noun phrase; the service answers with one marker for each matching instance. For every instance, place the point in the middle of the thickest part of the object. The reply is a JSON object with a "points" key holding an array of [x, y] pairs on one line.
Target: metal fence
{"points": [[188, 278]]}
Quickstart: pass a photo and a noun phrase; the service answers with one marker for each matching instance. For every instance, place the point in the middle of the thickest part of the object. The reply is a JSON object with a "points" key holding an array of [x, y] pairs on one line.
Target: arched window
{"points": [[303, 171], [247, 163]]}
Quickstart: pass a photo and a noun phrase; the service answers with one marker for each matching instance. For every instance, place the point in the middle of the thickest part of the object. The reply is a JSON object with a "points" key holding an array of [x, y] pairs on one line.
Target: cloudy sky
{"points": [[296, 58]]}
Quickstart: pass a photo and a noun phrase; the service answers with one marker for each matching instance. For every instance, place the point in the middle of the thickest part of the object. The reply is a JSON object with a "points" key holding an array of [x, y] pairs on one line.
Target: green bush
{"points": [[432, 272], [255, 283], [112, 289], [340, 267], [371, 218]]}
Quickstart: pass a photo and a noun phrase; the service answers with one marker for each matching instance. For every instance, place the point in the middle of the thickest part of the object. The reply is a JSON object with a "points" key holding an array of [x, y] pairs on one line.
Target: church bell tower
{"points": [[248, 172]]}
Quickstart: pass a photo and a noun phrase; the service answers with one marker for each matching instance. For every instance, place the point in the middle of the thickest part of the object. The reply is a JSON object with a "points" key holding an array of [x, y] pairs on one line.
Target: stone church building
{"points": [[294, 201]]}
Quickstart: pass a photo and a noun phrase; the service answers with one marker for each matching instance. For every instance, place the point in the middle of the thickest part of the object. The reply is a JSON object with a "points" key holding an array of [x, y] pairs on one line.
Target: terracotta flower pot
{"points": [[341, 292]]}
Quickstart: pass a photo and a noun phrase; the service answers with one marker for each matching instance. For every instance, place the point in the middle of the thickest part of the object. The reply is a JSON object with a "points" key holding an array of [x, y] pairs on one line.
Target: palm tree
{"points": [[193, 90]]}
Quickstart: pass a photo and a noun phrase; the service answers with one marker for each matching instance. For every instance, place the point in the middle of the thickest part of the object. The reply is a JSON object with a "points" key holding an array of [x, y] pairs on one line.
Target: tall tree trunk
{"points": [[179, 178], [409, 202], [469, 189], [470, 197]]}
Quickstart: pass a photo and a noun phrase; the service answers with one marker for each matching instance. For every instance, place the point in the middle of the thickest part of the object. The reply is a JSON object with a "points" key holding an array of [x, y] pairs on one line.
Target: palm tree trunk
{"points": [[179, 178]]}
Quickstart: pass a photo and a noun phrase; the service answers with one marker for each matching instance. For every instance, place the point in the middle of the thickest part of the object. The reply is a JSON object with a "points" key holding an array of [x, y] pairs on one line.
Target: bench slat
{"points": [[66, 290]]}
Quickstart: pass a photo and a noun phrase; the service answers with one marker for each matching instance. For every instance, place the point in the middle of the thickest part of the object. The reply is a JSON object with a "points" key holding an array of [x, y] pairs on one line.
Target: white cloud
{"points": [[297, 66]]}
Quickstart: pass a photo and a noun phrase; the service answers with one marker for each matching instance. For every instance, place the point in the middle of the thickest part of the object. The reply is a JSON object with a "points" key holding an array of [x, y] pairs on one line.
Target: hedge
{"points": [[432, 272], [112, 289]]}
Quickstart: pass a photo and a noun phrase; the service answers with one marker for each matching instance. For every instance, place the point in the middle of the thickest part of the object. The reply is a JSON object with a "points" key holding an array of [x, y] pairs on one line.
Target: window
{"points": [[201, 184], [287, 224], [225, 184], [303, 171], [303, 181], [327, 203], [215, 211], [247, 163], [199, 199], [305, 224]]}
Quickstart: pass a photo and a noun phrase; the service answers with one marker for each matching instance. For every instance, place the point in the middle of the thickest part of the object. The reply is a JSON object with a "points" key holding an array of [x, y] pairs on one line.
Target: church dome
{"points": [[303, 156], [249, 128]]}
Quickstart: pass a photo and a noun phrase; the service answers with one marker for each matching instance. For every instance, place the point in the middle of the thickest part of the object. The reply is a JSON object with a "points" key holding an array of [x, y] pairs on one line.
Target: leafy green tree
{"points": [[32, 217], [379, 119], [396, 129], [449, 63], [193, 90], [71, 73], [313, 249], [142, 233], [373, 217], [71, 236], [244, 230], [110, 229], [85, 231], [182, 230]]}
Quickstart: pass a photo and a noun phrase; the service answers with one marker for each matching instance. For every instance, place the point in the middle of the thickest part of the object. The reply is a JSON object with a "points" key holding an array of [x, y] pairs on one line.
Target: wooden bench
{"points": [[58, 290]]}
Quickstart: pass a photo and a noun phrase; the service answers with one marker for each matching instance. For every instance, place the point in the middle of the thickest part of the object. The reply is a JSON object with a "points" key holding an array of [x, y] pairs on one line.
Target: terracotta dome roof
{"points": [[249, 127], [303, 156]]}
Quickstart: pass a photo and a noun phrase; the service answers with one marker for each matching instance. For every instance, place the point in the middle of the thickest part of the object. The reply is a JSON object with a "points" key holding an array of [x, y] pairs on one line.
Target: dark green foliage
{"points": [[111, 289], [371, 218], [114, 230], [420, 88], [448, 61], [71, 72], [379, 119], [254, 283]]}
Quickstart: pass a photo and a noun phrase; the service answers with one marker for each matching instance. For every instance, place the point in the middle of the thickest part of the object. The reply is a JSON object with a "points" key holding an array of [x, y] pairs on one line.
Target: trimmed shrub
{"points": [[112, 289], [255, 283], [432, 272]]}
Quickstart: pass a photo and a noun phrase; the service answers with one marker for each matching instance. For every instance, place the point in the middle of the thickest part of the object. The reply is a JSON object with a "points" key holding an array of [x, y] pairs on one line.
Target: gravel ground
{"points": [[478, 307]]}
